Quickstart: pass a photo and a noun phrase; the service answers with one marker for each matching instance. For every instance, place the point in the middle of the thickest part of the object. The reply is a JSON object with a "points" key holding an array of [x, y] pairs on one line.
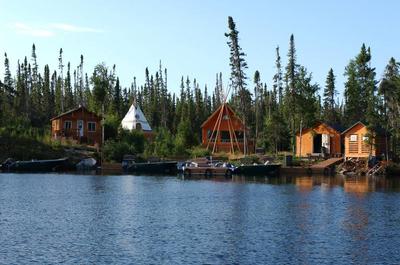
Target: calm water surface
{"points": [[78, 219]]}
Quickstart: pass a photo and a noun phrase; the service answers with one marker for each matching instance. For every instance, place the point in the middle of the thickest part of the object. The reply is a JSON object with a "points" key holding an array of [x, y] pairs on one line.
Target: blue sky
{"points": [[188, 36]]}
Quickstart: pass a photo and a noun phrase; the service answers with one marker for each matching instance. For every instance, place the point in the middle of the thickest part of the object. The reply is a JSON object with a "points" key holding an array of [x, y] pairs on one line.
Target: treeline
{"points": [[273, 112]]}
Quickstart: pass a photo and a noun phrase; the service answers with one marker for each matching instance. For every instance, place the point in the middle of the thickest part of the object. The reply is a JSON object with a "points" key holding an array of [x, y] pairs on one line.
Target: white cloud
{"points": [[31, 31], [73, 28], [50, 30]]}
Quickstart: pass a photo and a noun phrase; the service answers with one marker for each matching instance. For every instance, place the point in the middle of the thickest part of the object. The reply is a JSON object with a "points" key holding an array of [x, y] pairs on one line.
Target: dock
{"points": [[327, 163], [325, 167]]}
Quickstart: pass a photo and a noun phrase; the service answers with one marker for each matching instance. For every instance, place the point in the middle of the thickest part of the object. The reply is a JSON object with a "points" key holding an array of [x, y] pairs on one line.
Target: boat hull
{"points": [[39, 165], [207, 172], [258, 170], [169, 167]]}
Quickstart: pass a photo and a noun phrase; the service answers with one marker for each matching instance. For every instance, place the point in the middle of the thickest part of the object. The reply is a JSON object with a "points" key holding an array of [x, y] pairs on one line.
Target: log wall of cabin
{"points": [[307, 140], [355, 143], [58, 129]]}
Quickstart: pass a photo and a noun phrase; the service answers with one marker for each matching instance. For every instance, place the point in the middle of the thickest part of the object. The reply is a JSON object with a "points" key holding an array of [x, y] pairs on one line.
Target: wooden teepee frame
{"points": [[217, 127]]}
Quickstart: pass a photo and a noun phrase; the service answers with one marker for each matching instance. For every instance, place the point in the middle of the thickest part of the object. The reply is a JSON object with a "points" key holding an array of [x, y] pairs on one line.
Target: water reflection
{"points": [[77, 219], [359, 184]]}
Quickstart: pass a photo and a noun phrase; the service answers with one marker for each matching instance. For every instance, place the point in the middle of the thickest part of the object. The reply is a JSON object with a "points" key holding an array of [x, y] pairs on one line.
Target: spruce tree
{"points": [[7, 92], [61, 79], [291, 93], [68, 95], [238, 65], [277, 79], [46, 100], [330, 114], [353, 111], [389, 90], [257, 90], [360, 90]]}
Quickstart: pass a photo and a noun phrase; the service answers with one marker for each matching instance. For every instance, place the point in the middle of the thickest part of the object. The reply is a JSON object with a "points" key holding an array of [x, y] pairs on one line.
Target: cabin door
{"points": [[326, 144], [80, 128], [317, 143]]}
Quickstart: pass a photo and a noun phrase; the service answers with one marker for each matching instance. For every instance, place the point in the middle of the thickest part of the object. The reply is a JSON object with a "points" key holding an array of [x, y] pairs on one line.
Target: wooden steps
{"points": [[327, 163]]}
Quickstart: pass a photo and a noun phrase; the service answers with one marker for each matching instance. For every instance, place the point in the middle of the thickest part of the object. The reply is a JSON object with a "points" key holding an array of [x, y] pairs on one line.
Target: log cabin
{"points": [[223, 131], [321, 139], [356, 142], [79, 125]]}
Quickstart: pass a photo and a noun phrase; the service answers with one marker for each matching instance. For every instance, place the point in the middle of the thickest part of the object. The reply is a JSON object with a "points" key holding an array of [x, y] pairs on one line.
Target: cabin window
{"points": [[91, 126], [226, 117], [67, 125], [365, 147], [209, 132], [239, 136], [353, 138], [225, 137]]}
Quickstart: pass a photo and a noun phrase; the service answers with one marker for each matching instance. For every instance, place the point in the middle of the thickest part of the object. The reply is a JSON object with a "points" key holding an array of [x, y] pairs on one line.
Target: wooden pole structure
{"points": [[219, 127], [230, 134], [234, 134], [301, 132], [215, 127]]}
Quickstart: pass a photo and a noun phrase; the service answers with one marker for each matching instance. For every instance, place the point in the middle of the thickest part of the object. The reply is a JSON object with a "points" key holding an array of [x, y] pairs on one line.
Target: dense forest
{"points": [[274, 112]]}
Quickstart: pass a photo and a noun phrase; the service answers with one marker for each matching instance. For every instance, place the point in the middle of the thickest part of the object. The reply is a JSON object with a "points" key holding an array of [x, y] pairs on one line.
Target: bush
{"points": [[134, 138], [162, 145], [111, 127], [250, 159], [127, 142], [26, 144], [199, 151], [115, 151]]}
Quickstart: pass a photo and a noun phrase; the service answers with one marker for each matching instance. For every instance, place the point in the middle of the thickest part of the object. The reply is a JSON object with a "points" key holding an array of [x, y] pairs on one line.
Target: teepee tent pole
{"points": [[219, 127], [234, 134], [215, 127]]}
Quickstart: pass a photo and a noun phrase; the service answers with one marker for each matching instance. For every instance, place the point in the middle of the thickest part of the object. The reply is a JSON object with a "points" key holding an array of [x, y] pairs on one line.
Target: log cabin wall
{"points": [[308, 138], [79, 125]]}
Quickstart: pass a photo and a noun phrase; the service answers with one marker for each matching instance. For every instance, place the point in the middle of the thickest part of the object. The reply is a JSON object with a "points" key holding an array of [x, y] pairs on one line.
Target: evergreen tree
{"points": [[7, 92], [47, 99], [68, 95], [238, 65], [291, 93], [117, 100], [257, 90], [58, 95], [389, 90], [330, 114], [278, 76], [360, 89]]}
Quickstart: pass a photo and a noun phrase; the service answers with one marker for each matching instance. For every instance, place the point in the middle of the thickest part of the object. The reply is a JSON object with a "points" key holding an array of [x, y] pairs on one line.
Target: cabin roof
{"points": [[378, 130], [336, 127], [232, 113], [73, 110], [354, 125]]}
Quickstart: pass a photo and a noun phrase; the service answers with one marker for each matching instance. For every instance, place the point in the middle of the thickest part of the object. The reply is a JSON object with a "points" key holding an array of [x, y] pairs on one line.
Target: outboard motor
{"points": [[7, 164]]}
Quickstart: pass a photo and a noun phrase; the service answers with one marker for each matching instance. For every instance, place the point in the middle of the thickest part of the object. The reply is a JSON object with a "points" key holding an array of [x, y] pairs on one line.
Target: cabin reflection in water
{"points": [[357, 185]]}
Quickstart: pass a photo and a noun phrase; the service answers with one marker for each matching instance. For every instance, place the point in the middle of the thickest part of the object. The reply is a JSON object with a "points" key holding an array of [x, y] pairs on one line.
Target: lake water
{"points": [[82, 219]]}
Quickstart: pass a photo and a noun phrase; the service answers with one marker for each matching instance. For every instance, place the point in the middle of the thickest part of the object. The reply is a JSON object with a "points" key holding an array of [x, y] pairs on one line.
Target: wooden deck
{"points": [[327, 163]]}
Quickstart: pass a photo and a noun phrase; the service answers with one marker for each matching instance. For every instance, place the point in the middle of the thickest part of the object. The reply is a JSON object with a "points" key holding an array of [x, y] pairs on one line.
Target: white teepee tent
{"points": [[135, 119]]}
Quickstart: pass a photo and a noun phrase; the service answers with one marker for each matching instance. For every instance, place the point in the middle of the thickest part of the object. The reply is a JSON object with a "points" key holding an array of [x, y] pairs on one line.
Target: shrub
{"points": [[199, 151], [163, 143], [250, 159], [127, 142], [115, 151], [111, 126]]}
